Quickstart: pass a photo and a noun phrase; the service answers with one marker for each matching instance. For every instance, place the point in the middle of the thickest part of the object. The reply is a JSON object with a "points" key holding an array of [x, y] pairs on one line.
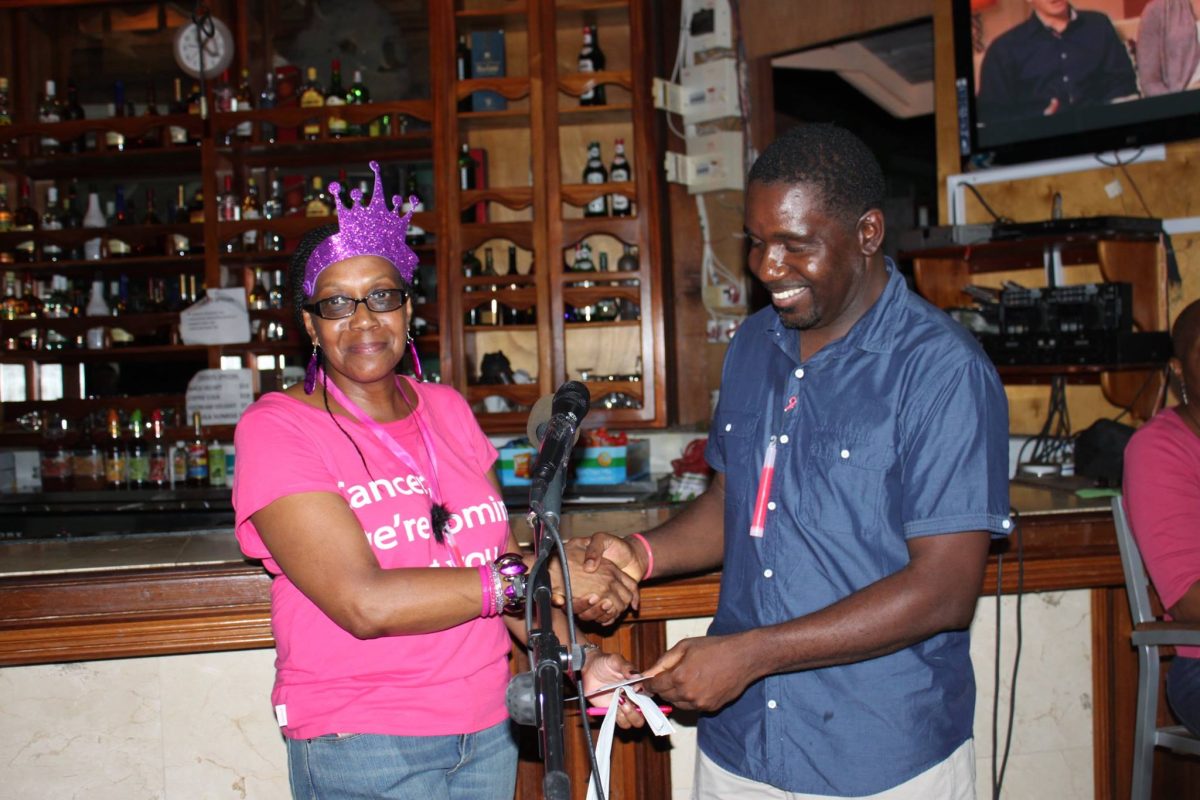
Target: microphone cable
{"points": [[539, 563], [999, 767]]}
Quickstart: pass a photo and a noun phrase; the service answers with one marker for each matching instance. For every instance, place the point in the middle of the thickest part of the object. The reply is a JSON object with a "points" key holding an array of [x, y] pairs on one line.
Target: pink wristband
{"points": [[485, 582], [649, 555]]}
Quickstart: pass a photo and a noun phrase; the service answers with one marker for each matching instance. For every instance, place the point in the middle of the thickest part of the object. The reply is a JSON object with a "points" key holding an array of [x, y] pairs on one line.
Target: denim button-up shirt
{"points": [[897, 430]]}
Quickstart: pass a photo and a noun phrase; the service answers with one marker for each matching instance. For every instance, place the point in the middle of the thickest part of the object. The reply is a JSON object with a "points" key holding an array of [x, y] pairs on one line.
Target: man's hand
{"points": [[600, 595], [1051, 107], [702, 674], [628, 556], [602, 669]]}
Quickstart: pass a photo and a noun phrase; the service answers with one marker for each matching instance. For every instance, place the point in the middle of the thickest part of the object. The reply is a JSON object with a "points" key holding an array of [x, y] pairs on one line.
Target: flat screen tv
{"points": [[1041, 79]]}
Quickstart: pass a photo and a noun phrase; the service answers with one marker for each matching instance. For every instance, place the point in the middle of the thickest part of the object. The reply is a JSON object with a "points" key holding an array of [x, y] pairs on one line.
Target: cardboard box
{"points": [[487, 61], [602, 466], [515, 465], [20, 471]]}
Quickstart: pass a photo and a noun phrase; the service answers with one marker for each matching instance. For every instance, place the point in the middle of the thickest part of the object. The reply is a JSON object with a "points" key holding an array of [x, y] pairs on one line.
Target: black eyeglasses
{"points": [[340, 306]]}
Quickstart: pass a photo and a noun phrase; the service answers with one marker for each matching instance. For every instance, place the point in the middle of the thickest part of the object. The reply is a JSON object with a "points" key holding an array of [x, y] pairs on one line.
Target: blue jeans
{"points": [[1183, 691], [363, 766]]}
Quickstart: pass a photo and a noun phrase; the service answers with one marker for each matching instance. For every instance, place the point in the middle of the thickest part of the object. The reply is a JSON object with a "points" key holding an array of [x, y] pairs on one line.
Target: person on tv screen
{"points": [[1168, 48], [1058, 58]]}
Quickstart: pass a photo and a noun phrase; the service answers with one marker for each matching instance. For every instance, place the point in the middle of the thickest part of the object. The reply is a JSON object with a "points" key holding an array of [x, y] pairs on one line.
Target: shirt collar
{"points": [[874, 332], [1042, 25]]}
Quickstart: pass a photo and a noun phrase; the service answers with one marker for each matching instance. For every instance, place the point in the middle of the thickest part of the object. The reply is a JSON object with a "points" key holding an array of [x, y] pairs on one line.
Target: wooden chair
{"points": [[1149, 634]]}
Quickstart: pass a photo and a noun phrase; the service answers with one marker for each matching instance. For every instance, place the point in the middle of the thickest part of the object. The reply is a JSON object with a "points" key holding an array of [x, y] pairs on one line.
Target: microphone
{"points": [[567, 409]]}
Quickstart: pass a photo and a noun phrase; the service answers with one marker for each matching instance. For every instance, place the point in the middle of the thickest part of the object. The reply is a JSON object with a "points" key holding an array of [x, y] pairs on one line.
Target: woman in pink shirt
{"points": [[1162, 496], [372, 501]]}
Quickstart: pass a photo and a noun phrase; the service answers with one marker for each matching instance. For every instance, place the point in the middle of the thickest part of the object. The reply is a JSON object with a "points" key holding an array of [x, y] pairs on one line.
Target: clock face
{"points": [[218, 49]]}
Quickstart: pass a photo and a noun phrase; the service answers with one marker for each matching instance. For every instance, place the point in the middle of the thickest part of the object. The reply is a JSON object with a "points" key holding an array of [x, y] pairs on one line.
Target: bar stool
{"points": [[1149, 633]]}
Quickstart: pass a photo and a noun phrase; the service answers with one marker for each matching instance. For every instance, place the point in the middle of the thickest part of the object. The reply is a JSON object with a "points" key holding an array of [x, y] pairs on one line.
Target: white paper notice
{"points": [[220, 395], [220, 318]]}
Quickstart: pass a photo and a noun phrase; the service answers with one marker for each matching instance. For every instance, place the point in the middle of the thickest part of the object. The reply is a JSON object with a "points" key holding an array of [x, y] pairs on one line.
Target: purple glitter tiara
{"points": [[370, 230]]}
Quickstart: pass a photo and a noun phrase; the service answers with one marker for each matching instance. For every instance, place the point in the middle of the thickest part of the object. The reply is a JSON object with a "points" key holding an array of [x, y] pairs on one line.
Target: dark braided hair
{"points": [[833, 160]]}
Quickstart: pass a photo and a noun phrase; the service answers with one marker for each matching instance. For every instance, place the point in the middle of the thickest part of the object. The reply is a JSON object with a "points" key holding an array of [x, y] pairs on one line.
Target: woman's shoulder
{"points": [[274, 411], [439, 395]]}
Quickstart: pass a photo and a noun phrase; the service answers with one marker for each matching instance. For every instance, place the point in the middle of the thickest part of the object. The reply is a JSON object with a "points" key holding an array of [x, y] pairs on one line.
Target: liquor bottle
{"points": [[583, 258], [31, 305], [512, 261], [216, 464], [316, 202], [591, 59], [628, 262], [359, 95], [489, 262], [5, 118], [6, 216], [50, 110], [243, 100], [9, 303], [56, 458], [151, 137], [272, 208], [312, 96], [197, 455], [118, 292], [275, 296], [115, 140], [196, 217], [594, 173], [618, 172], [257, 299], [179, 462], [250, 210], [178, 242], [178, 133], [336, 96], [416, 234], [466, 179], [223, 94], [471, 264], [267, 99], [158, 458], [97, 306], [462, 65], [197, 104], [150, 245], [94, 218], [138, 458], [87, 465], [118, 247], [73, 111], [229, 207], [116, 465], [52, 220], [25, 219]]}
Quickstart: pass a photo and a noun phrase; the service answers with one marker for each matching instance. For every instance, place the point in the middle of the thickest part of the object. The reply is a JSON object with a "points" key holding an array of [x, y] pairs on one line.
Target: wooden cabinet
{"points": [[940, 275], [551, 322]]}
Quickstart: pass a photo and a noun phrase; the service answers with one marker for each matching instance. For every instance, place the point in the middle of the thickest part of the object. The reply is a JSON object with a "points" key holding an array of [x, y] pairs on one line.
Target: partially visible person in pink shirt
{"points": [[1168, 47], [1162, 497]]}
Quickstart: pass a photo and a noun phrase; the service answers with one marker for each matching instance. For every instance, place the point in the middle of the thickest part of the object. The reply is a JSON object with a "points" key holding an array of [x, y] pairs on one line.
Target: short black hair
{"points": [[832, 159], [1186, 330], [308, 243]]}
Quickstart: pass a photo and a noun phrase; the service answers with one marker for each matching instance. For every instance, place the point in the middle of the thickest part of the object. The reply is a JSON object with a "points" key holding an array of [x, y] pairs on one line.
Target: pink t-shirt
{"points": [[328, 681], [1162, 498]]}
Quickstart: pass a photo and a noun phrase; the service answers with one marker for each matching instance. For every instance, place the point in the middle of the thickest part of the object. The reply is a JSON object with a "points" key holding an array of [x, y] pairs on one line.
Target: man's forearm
{"points": [[694, 539]]}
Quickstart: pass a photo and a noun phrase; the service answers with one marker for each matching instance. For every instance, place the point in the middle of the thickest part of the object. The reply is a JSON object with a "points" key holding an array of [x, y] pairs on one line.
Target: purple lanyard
{"points": [[397, 449]]}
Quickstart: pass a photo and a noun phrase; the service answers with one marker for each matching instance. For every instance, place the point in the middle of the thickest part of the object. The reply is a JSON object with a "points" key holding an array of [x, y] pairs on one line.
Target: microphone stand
{"points": [[547, 656]]}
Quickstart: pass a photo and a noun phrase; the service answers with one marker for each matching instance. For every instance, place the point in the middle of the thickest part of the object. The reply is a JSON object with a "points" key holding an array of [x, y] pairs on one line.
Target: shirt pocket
{"points": [[736, 434], [842, 481]]}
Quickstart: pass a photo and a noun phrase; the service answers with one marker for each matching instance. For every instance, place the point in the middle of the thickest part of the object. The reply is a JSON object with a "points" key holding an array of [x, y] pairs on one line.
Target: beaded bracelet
{"points": [[510, 571], [649, 555]]}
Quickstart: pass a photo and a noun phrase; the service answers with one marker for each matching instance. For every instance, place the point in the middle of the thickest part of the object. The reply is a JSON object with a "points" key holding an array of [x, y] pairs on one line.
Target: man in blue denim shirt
{"points": [[837, 663]]}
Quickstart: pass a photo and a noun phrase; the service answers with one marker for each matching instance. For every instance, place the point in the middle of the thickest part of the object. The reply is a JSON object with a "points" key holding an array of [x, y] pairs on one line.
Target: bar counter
{"points": [[105, 597]]}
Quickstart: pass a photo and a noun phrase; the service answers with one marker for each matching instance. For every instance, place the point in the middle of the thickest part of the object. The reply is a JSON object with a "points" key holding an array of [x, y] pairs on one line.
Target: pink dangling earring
{"points": [[310, 373], [412, 348]]}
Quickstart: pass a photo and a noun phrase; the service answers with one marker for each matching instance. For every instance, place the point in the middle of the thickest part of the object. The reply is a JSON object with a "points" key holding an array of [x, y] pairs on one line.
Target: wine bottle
{"points": [[94, 218], [267, 99], [118, 247], [52, 220], [243, 100], [50, 110], [138, 463], [197, 455], [312, 96], [466, 179], [336, 96], [158, 458], [257, 299], [250, 210], [74, 111], [595, 173], [178, 133], [317, 202], [115, 140], [151, 137], [115, 455], [25, 220], [358, 95], [618, 172], [591, 59], [462, 66]]}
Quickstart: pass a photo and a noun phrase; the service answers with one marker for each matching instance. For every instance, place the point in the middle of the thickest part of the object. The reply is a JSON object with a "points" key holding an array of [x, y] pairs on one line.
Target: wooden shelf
{"points": [[514, 197], [513, 9], [189, 263], [575, 84], [115, 353]]}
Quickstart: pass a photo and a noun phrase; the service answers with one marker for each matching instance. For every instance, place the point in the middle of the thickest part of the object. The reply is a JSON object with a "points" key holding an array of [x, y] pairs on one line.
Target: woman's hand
{"points": [[601, 669], [601, 594]]}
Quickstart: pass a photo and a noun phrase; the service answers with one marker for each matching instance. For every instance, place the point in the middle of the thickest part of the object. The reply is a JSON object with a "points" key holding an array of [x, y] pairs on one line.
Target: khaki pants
{"points": [[952, 779]]}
